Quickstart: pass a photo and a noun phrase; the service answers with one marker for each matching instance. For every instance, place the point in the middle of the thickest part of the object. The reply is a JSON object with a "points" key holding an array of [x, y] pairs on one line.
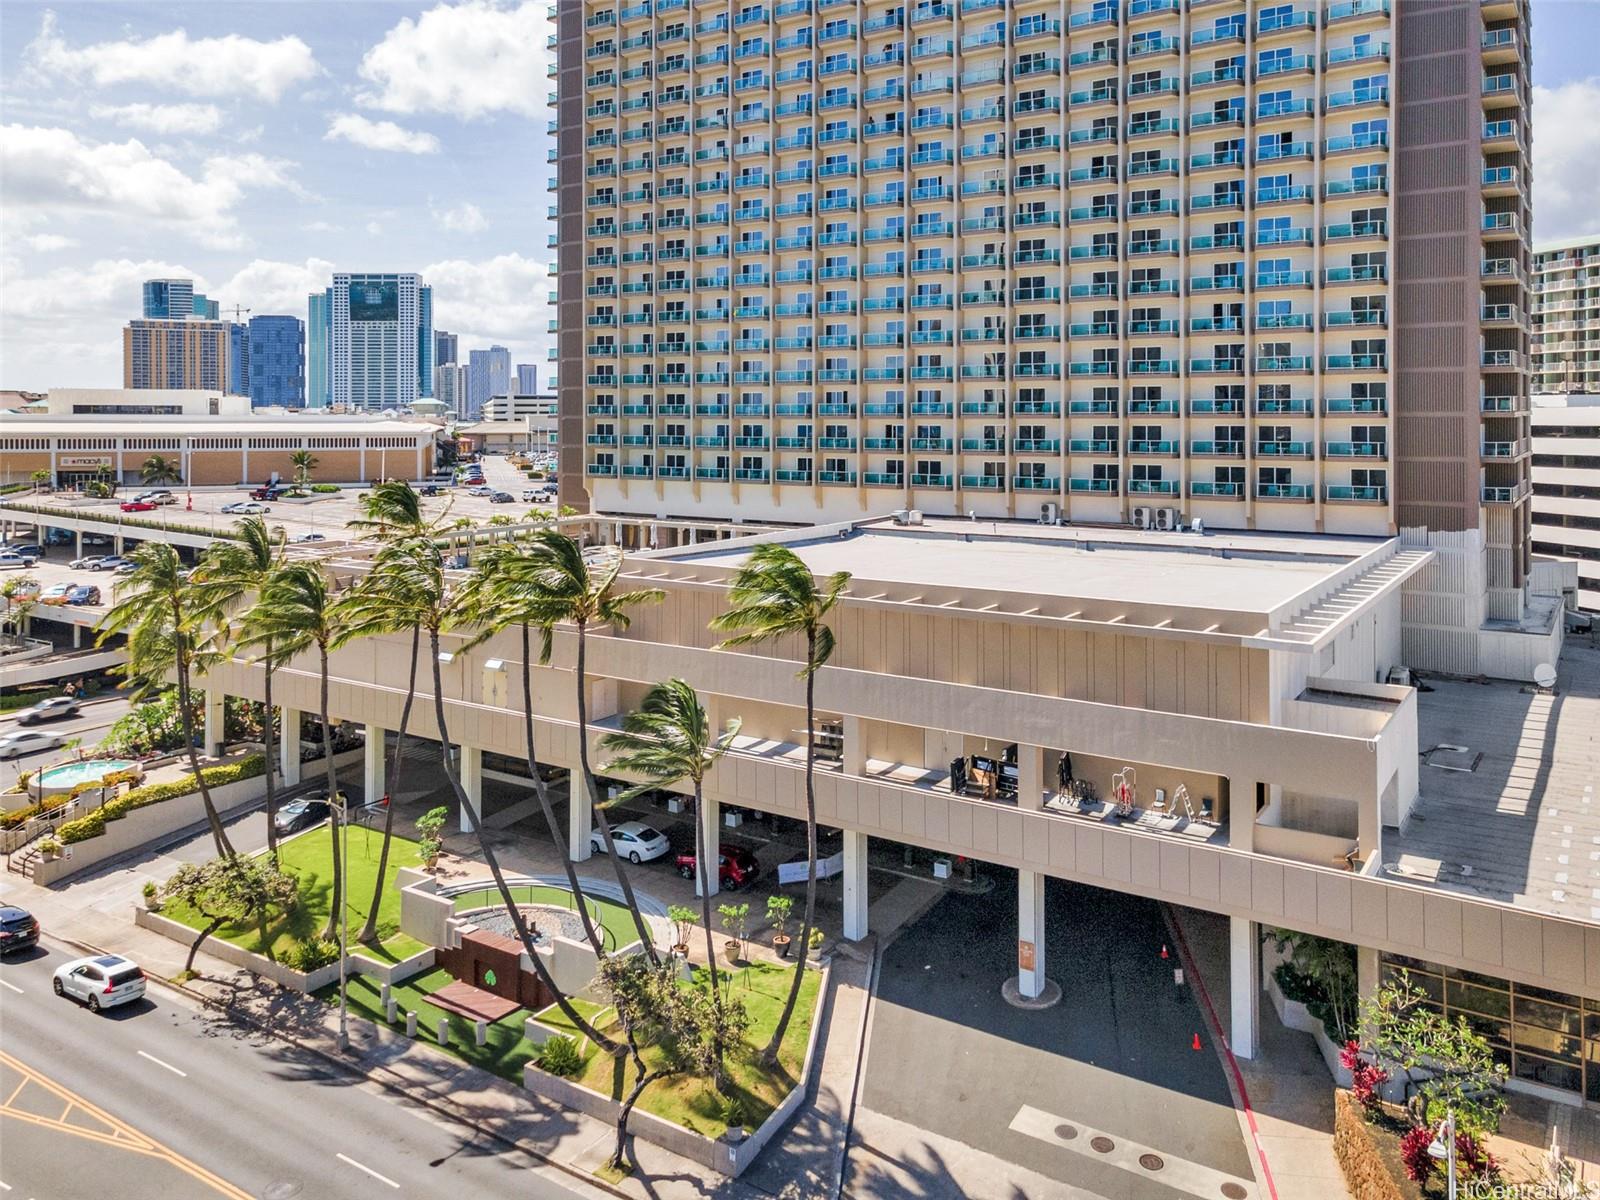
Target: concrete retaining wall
{"points": [[300, 981], [395, 972]]}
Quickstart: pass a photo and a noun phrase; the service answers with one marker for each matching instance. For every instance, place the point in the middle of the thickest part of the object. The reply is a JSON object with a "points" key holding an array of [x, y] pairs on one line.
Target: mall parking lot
{"points": [[1112, 1061]]}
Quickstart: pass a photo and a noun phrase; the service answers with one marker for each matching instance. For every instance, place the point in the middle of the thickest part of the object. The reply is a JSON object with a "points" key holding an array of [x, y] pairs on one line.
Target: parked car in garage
{"points": [[300, 814], [56, 594], [21, 742], [736, 867], [502, 498], [138, 506], [245, 508], [304, 539], [111, 562], [57, 708], [635, 841], [10, 561], [86, 563], [26, 549], [19, 929], [101, 982], [84, 593]]}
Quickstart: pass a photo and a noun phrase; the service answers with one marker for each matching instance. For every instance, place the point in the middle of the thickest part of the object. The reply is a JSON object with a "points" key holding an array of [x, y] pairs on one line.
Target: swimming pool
{"points": [[70, 775]]}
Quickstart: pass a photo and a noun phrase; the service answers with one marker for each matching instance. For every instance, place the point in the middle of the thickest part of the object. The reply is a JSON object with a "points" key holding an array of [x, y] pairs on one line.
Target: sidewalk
{"points": [[802, 1163]]}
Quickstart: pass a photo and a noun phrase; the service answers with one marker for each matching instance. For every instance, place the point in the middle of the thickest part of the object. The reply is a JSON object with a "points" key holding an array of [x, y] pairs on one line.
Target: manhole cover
{"points": [[1234, 1191], [1066, 1132], [1102, 1145], [283, 1189], [1152, 1162]]}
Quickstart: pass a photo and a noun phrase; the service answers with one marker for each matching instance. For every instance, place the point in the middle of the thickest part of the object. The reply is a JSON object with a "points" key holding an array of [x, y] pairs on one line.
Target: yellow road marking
{"points": [[122, 1135]]}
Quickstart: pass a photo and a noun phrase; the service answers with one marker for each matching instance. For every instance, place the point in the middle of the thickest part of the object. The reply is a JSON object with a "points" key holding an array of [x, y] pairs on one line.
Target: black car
{"points": [[428, 489], [26, 549], [19, 930], [300, 814]]}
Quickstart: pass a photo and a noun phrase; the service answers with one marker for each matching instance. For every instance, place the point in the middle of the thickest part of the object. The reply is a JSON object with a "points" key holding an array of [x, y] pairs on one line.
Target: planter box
{"points": [[727, 1157], [258, 964], [1295, 1015], [392, 972]]}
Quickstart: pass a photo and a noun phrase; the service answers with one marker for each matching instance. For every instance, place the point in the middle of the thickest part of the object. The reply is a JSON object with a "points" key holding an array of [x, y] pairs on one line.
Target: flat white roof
{"points": [[1234, 571], [266, 425]]}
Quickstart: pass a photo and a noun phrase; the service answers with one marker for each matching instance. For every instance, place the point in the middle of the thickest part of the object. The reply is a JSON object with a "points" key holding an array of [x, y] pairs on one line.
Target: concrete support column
{"points": [[213, 738], [1030, 778], [471, 782], [1244, 986], [373, 782], [289, 745], [710, 818], [1241, 813], [855, 885], [1367, 978], [1033, 988], [77, 637], [77, 544], [855, 750], [580, 817]]}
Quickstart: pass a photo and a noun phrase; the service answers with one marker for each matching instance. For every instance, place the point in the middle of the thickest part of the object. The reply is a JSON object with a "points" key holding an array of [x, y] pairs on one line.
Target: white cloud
{"points": [[162, 118], [463, 218], [322, 227], [265, 286], [503, 299], [51, 172], [63, 328], [375, 228], [1566, 146], [380, 135], [48, 243], [222, 66], [467, 60]]}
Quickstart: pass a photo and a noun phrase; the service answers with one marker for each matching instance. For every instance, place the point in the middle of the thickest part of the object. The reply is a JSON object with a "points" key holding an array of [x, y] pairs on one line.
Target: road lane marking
{"points": [[12, 986], [159, 1063], [363, 1167]]}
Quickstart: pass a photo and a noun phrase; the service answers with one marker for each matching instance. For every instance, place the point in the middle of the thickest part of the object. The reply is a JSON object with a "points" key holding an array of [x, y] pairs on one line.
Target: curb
{"points": [[375, 1075]]}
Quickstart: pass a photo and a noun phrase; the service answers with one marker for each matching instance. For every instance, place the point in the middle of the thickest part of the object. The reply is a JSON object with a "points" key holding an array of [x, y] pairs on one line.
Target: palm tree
{"points": [[438, 607], [774, 595], [669, 738], [393, 510], [295, 612], [156, 470], [497, 598], [562, 586], [304, 462], [232, 569], [166, 634]]}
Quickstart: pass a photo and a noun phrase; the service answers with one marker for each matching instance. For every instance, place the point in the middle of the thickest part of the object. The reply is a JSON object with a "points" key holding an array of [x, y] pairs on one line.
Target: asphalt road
{"points": [[90, 725], [163, 1099]]}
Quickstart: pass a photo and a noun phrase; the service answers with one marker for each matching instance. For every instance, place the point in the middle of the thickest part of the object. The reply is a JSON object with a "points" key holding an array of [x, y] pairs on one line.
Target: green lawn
{"points": [[614, 918], [507, 1050], [690, 1100], [310, 858]]}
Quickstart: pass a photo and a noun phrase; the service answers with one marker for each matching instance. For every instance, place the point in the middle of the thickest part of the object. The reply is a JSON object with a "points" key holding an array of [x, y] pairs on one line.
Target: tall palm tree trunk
{"points": [[370, 929], [186, 719], [769, 1053], [595, 806], [266, 751], [335, 911], [542, 790], [702, 870], [452, 775]]}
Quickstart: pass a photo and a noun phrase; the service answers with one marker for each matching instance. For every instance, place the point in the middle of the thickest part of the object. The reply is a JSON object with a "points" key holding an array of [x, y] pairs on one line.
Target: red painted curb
{"points": [[1227, 1050]]}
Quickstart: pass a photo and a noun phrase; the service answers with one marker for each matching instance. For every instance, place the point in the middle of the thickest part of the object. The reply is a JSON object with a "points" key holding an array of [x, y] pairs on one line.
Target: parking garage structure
{"points": [[1203, 720]]}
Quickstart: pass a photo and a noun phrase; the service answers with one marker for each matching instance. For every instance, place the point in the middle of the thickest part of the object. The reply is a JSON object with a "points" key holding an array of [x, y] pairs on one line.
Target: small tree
{"points": [[157, 470], [1445, 1064], [647, 1000], [682, 918], [779, 909], [230, 889], [735, 919], [430, 825], [1326, 969], [304, 462], [40, 479]]}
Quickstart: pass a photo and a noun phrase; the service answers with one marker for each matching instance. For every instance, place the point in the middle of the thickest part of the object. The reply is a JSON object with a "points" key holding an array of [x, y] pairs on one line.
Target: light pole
{"points": [[1444, 1146], [340, 805]]}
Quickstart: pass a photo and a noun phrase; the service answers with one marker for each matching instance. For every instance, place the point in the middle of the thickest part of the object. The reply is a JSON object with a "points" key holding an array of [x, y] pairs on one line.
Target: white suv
{"points": [[104, 981]]}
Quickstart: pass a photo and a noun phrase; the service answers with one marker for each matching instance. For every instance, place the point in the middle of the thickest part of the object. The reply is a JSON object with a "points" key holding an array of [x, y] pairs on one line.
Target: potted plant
{"points": [[152, 899], [429, 842], [734, 919], [682, 918], [49, 849], [816, 943], [778, 911]]}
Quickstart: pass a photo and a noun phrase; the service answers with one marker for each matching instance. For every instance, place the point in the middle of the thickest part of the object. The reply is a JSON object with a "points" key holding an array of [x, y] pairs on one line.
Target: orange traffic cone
{"points": [[1163, 950], [1196, 1045]]}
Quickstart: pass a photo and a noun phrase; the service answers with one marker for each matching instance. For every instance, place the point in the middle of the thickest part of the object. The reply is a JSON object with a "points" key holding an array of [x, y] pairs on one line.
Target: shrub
{"points": [[324, 489], [20, 816], [308, 954], [1366, 1078], [1473, 1160], [94, 824], [559, 1055]]}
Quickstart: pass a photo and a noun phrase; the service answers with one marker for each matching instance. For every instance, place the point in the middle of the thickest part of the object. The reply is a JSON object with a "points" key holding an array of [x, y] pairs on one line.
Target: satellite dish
{"points": [[1544, 675]]}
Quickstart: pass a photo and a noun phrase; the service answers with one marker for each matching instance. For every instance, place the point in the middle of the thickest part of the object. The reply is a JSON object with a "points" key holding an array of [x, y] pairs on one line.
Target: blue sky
{"points": [[258, 146]]}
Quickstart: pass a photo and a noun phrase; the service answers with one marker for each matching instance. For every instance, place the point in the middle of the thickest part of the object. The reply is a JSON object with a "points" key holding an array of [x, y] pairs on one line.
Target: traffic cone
{"points": [[1163, 950], [1196, 1045]]}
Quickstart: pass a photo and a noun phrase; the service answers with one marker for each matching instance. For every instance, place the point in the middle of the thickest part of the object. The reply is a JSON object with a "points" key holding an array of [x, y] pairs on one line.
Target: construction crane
{"points": [[236, 310]]}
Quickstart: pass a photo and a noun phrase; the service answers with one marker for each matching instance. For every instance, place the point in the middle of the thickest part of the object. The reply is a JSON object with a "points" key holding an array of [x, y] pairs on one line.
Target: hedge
{"points": [[94, 824], [19, 816], [325, 489]]}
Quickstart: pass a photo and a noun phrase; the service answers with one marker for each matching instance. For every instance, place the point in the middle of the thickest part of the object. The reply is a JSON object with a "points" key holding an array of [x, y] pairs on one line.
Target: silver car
{"points": [[635, 841], [28, 741], [101, 982]]}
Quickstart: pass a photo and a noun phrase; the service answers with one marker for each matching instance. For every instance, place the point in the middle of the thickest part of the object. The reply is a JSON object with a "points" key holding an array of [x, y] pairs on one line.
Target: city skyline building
{"points": [[179, 354], [168, 299], [277, 362], [1566, 486], [1106, 264], [377, 332], [488, 375], [1566, 317], [205, 308], [238, 358], [450, 387], [425, 342], [446, 347], [527, 379], [319, 323]]}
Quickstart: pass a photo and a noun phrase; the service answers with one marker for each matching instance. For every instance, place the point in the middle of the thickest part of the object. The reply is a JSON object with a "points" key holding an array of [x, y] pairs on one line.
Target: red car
{"points": [[138, 506], [736, 867]]}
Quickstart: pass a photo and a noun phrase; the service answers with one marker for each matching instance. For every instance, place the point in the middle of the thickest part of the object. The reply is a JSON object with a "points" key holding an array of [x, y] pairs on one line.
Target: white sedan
{"points": [[303, 539], [101, 982], [28, 741], [245, 508], [635, 841]]}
